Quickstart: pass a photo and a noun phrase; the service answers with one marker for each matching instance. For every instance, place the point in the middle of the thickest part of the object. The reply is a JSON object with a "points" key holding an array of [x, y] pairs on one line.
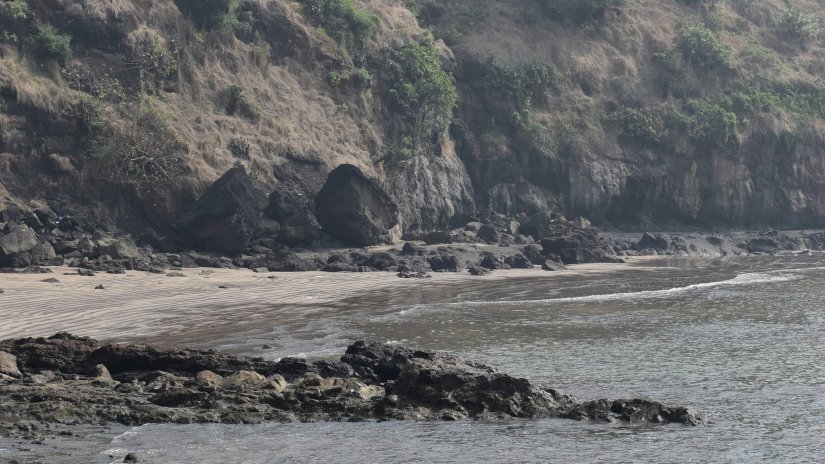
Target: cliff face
{"points": [[635, 113], [642, 113]]}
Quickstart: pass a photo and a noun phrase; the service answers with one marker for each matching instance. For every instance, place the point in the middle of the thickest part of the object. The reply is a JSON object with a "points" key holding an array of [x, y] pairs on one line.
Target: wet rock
{"points": [[518, 261], [100, 287], [132, 457], [575, 245], [300, 229], [411, 249], [85, 273], [209, 378], [243, 379], [478, 270], [118, 248], [407, 274], [491, 261], [16, 247], [8, 365], [550, 265], [381, 261], [473, 226], [537, 224], [489, 233], [533, 252], [227, 217], [286, 261], [444, 262], [658, 242], [371, 381], [437, 238], [354, 208]]}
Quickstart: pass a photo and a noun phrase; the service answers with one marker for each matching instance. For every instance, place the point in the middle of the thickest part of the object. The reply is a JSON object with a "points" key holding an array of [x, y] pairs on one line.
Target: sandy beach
{"points": [[140, 306]]}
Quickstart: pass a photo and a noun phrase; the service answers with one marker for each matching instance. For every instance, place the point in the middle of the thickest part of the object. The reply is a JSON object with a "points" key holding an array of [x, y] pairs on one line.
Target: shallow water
{"points": [[739, 339]]}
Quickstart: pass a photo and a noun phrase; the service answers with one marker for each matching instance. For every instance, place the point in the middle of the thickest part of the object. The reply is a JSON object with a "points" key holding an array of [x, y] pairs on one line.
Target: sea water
{"points": [[738, 339]]}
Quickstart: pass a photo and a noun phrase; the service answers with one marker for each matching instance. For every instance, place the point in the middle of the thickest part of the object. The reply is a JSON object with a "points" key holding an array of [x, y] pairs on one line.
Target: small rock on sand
{"points": [[132, 457], [175, 274], [51, 280], [100, 287]]}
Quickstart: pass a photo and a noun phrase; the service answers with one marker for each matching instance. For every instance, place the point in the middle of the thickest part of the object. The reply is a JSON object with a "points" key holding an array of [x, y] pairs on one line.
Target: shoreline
{"points": [[158, 307]]}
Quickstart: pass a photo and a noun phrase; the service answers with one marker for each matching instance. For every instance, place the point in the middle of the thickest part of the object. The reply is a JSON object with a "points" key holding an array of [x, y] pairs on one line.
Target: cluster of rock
{"points": [[722, 244], [230, 220], [75, 380]]}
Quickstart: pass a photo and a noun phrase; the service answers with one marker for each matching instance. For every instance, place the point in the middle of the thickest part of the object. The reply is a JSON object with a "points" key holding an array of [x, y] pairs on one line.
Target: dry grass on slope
{"points": [[17, 74]]}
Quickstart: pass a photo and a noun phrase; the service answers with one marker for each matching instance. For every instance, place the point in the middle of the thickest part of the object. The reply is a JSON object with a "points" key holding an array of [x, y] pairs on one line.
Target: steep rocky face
{"points": [[431, 191], [122, 113]]}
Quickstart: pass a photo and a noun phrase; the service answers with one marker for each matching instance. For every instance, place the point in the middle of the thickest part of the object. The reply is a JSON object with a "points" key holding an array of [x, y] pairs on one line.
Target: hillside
{"points": [[636, 113]]}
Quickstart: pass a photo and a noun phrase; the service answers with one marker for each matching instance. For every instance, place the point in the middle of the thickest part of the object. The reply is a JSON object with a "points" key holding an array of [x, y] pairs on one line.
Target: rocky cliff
{"points": [[635, 113]]}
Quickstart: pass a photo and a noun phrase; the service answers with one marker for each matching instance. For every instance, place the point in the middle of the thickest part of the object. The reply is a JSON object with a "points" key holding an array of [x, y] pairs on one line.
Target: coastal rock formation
{"points": [[227, 217], [575, 242], [68, 379], [354, 208]]}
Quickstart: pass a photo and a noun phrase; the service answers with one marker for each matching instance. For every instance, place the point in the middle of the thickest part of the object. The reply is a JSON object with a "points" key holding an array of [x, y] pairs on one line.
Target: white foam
{"points": [[742, 279]]}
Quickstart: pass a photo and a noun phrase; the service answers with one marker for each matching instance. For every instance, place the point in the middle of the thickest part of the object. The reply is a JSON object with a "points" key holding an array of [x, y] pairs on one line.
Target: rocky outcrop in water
{"points": [[68, 379]]}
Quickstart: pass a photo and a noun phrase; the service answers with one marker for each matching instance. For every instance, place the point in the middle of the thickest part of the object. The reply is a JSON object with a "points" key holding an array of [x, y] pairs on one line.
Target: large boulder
{"points": [[227, 217], [19, 239], [658, 242], [118, 248], [354, 208], [575, 244]]}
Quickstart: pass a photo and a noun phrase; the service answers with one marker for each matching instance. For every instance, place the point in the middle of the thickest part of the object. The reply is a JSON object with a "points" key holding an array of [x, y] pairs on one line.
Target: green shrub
{"points": [[237, 102], [53, 44], [710, 125], [362, 78], [103, 86], [424, 93], [703, 48], [752, 100], [799, 24], [671, 65], [18, 9], [8, 37], [140, 148], [521, 83], [150, 55], [229, 24], [639, 125], [240, 148], [347, 24]]}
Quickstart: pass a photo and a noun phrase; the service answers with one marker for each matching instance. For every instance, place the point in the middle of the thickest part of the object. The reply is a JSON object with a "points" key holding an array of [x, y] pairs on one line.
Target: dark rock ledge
{"points": [[65, 379]]}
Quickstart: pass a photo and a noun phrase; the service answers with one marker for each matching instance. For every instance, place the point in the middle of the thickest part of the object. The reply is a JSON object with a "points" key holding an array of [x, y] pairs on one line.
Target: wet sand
{"points": [[193, 309]]}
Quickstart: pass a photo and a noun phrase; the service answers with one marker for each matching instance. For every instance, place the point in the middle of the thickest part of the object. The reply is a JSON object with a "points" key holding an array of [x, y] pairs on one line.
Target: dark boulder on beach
{"points": [[576, 243], [354, 208], [227, 216]]}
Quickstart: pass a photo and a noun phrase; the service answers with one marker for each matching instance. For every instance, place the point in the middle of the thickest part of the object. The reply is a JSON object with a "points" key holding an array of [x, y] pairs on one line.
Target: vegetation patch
{"points": [[53, 44], [140, 150], [703, 48], [425, 96], [342, 20], [238, 102]]}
